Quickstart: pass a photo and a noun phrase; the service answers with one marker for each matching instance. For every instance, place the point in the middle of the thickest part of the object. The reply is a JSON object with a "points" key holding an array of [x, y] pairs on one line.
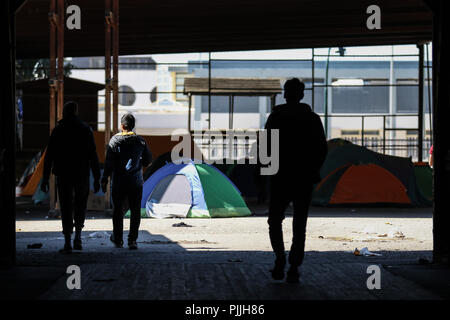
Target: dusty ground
{"points": [[327, 230], [230, 258]]}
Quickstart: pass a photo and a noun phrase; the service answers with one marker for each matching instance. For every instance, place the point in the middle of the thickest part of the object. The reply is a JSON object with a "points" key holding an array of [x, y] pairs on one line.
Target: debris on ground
{"points": [[234, 260], [389, 223], [365, 252], [34, 246], [396, 234], [384, 235], [320, 237], [103, 234], [181, 224]]}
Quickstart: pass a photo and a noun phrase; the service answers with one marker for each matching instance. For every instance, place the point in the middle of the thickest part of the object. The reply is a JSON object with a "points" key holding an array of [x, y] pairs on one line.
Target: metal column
{"points": [[189, 113], [53, 87], [441, 131], [115, 79], [108, 82], [60, 54], [7, 136], [420, 109], [56, 79]]}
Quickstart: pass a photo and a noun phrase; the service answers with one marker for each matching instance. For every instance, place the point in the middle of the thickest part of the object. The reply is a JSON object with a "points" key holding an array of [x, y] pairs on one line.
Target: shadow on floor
{"points": [[164, 269]]}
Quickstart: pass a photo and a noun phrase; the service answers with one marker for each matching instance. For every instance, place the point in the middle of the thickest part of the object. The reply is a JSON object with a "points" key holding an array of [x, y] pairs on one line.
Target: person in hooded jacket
{"points": [[126, 155], [302, 151], [70, 154]]}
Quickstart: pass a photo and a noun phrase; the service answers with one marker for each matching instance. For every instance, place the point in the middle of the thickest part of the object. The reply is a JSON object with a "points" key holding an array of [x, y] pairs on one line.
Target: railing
{"points": [[395, 147], [241, 144]]}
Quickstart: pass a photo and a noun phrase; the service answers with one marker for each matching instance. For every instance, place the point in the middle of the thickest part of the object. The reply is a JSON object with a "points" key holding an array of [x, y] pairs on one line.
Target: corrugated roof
{"points": [[161, 26]]}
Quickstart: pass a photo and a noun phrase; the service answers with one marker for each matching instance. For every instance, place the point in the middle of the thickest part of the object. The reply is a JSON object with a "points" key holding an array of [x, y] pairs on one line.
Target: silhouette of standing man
{"points": [[126, 154], [71, 153], [302, 151]]}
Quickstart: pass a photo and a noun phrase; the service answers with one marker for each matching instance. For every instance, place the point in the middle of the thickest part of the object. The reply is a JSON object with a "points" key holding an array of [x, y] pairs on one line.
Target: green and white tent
{"points": [[191, 190]]}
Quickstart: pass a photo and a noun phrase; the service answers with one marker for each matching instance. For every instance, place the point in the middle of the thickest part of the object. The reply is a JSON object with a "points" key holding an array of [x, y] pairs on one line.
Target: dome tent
{"points": [[191, 190], [355, 175]]}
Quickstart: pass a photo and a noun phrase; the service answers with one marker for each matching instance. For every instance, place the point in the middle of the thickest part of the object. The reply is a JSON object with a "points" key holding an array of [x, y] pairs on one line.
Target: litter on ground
{"points": [[181, 224], [365, 252], [34, 246], [103, 234]]}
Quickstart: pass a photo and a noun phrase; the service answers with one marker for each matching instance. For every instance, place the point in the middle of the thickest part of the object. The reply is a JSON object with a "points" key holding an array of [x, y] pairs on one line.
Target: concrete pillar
{"points": [[441, 132], [7, 136]]}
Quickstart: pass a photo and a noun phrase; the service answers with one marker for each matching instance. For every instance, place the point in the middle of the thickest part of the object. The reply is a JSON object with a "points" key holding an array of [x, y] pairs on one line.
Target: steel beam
{"points": [[441, 131], [115, 52], [7, 136], [420, 106], [53, 88], [108, 82], [60, 53]]}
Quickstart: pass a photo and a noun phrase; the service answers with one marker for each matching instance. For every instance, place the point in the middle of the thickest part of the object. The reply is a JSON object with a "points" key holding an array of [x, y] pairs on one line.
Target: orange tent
{"points": [[158, 145], [369, 183], [33, 182]]}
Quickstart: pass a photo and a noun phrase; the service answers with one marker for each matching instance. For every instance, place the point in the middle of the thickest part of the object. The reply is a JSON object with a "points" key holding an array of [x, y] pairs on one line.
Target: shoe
{"points": [[67, 249], [293, 275], [278, 269], [132, 245], [118, 244], [77, 242]]}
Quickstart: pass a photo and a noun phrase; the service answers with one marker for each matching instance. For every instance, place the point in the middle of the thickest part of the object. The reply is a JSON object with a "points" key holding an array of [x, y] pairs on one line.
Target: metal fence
{"points": [[239, 145], [395, 147]]}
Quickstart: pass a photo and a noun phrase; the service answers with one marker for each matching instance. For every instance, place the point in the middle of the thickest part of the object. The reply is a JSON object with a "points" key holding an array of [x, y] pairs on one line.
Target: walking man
{"points": [[125, 156], [70, 154], [302, 151]]}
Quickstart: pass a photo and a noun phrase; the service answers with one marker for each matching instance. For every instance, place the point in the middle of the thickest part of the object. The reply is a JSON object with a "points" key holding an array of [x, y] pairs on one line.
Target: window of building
{"points": [[358, 132], [127, 96], [153, 95], [407, 95], [360, 96], [349, 132], [242, 104]]}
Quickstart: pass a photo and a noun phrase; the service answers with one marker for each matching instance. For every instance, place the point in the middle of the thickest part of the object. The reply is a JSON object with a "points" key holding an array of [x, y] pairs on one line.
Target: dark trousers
{"points": [[282, 192], [124, 198], [73, 193]]}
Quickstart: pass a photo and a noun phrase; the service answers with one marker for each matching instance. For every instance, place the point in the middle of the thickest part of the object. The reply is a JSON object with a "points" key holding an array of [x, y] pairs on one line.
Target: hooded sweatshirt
{"points": [[125, 156]]}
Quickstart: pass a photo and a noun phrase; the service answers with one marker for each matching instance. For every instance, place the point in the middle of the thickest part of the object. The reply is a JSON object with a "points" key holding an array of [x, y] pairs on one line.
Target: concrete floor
{"points": [[229, 259]]}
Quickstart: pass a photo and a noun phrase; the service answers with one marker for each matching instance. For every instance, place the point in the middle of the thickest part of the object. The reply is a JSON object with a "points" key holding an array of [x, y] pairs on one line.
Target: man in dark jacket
{"points": [[71, 153], [302, 151], [125, 156]]}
